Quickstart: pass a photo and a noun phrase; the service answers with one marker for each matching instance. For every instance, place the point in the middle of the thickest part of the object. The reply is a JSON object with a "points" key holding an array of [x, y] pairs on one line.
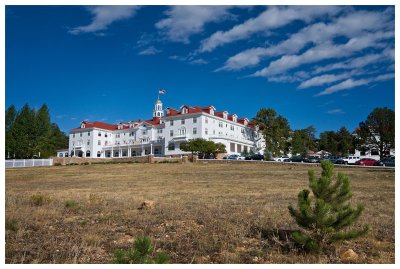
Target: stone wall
{"points": [[136, 159]]}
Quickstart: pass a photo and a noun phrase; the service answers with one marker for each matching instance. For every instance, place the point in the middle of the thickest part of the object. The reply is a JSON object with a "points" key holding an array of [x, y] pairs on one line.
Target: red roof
{"points": [[112, 127], [100, 125], [191, 110]]}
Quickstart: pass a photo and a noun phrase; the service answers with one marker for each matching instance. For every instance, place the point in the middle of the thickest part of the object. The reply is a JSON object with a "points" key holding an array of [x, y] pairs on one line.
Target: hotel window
{"points": [[206, 120], [171, 123], [232, 128], [194, 120], [182, 121], [80, 134], [206, 131], [144, 132], [88, 142], [171, 146], [88, 133], [220, 124], [194, 131], [73, 135], [99, 142], [117, 135], [213, 131], [105, 135], [99, 134], [159, 131], [171, 133]]}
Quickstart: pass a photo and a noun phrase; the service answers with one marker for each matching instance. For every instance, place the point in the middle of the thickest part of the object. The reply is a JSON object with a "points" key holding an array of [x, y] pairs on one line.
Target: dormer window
{"points": [[211, 111], [246, 122], [119, 126], [225, 114], [234, 118], [167, 111], [184, 110], [83, 125]]}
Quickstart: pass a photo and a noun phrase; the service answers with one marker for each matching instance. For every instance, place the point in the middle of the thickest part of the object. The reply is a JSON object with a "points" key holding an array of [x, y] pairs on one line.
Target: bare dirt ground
{"points": [[203, 213]]}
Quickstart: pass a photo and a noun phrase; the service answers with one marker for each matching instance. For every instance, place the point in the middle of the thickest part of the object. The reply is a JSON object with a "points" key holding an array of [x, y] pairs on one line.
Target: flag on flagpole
{"points": [[162, 92]]}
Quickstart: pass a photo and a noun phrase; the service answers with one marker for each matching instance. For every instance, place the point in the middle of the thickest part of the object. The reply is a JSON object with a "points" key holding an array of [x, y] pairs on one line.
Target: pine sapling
{"points": [[326, 217]]}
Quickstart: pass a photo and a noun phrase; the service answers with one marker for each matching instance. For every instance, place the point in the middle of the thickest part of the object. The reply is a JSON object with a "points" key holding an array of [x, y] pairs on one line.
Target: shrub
{"points": [[39, 199], [328, 220], [71, 204], [57, 164], [11, 225], [142, 253]]}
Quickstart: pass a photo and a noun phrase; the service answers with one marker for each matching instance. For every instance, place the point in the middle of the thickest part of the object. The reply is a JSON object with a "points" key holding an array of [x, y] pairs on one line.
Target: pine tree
{"points": [[328, 220]]}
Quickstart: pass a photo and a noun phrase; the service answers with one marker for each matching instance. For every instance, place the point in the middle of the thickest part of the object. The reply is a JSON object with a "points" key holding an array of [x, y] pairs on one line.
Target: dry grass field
{"points": [[203, 213]]}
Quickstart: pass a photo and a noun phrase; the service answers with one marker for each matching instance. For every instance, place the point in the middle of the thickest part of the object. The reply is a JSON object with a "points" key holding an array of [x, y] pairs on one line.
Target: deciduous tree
{"points": [[378, 131]]}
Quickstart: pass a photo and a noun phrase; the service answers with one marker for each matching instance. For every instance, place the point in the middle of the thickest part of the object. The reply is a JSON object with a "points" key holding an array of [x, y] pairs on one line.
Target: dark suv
{"points": [[255, 157]]}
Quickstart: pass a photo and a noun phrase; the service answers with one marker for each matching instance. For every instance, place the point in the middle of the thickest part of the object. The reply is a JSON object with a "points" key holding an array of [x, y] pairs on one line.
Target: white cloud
{"points": [[351, 25], [199, 61], [325, 51], [184, 21], [149, 51], [350, 83], [103, 16], [274, 17], [322, 80], [335, 111]]}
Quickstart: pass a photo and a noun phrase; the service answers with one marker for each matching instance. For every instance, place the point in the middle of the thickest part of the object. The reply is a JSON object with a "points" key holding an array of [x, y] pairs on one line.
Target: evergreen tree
{"points": [[328, 141], [23, 133], [328, 220], [345, 142], [275, 129], [303, 140], [11, 114], [29, 132]]}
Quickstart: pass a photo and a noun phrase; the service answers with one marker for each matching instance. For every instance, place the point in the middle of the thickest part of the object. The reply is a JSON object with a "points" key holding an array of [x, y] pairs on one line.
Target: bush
{"points": [[328, 220], [142, 253], [11, 225], [57, 164], [71, 204], [39, 199]]}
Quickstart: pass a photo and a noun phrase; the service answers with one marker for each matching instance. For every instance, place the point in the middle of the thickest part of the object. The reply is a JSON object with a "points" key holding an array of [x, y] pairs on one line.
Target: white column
{"points": [[120, 152], [129, 152], [151, 149]]}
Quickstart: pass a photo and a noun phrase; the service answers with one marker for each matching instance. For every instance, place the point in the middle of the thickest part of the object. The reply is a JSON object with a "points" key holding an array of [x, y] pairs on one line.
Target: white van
{"points": [[351, 159]]}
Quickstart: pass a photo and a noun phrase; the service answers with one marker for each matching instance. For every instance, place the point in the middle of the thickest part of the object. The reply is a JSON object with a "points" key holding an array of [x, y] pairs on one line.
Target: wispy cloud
{"points": [[272, 18], [199, 61], [184, 21], [324, 52], [335, 111], [352, 25], [149, 51], [103, 16], [350, 83]]}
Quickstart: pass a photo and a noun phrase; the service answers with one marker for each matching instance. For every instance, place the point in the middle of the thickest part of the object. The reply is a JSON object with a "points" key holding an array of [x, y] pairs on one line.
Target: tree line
{"points": [[30, 133], [375, 133]]}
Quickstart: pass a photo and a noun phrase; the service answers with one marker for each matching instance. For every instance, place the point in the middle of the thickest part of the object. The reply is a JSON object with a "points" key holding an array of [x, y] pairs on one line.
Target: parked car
{"points": [[340, 161], [350, 159], [240, 157], [313, 159], [233, 157], [366, 162], [332, 159], [296, 159], [281, 158], [256, 157], [389, 162]]}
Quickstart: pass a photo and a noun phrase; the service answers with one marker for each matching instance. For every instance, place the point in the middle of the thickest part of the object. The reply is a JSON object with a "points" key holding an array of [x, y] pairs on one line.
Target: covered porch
{"points": [[125, 151]]}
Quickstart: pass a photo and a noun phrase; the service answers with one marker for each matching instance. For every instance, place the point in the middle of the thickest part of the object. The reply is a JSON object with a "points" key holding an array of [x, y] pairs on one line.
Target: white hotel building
{"points": [[162, 135]]}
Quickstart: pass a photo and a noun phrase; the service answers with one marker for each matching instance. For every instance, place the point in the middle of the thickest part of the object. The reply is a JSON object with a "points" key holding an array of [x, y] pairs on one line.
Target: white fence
{"points": [[28, 163]]}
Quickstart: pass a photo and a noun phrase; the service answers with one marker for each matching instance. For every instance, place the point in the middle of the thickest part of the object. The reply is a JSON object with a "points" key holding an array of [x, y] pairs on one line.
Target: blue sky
{"points": [[326, 66]]}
